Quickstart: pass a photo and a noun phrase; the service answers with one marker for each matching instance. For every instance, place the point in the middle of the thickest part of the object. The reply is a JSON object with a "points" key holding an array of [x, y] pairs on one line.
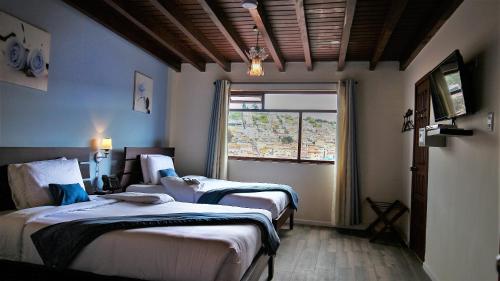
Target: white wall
{"points": [[462, 215], [380, 111]]}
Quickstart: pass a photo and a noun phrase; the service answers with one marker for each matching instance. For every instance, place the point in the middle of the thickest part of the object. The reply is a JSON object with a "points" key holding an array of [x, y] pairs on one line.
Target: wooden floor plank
{"points": [[310, 253]]}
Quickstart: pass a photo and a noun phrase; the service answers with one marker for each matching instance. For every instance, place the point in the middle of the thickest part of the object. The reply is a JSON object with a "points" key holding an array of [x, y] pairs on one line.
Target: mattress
{"points": [[272, 201], [159, 253]]}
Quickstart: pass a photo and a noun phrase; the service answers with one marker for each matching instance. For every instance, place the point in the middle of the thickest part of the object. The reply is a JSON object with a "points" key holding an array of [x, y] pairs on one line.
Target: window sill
{"points": [[281, 160]]}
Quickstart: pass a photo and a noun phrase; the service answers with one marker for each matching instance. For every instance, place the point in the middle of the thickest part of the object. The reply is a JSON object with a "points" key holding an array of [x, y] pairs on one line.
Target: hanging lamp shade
{"points": [[256, 68], [257, 55]]}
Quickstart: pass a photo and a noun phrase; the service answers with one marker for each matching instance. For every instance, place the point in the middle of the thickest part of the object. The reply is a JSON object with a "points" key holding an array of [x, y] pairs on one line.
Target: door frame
{"points": [[413, 177]]}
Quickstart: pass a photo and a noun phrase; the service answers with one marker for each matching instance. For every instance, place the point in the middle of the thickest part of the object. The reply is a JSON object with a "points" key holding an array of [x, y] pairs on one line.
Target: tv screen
{"points": [[448, 88]]}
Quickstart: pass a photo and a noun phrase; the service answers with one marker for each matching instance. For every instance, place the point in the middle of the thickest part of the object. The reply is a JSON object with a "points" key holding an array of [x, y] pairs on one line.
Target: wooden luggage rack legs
{"points": [[388, 214]]}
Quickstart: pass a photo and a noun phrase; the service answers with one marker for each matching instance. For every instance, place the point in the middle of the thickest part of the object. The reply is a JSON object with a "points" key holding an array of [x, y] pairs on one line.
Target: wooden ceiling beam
{"points": [[218, 18], [161, 37], [124, 28], [437, 19], [304, 35], [350, 9], [262, 23], [391, 21], [177, 17]]}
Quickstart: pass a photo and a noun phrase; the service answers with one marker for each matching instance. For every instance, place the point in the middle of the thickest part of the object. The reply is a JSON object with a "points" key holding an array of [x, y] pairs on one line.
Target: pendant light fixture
{"points": [[257, 55]]}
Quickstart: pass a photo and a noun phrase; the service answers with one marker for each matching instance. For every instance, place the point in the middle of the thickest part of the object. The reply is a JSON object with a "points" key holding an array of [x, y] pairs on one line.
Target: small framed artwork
{"points": [[24, 53], [143, 93]]}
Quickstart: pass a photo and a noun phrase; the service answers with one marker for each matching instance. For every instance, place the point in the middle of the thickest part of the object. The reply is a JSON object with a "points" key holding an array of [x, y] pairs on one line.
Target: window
{"points": [[283, 126]]}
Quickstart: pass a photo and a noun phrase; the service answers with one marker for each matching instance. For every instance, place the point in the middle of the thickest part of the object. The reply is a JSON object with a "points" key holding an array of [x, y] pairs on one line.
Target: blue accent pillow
{"points": [[65, 194], [170, 172]]}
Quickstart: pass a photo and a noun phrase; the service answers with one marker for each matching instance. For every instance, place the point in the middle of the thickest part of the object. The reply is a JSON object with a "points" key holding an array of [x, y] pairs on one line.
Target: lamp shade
{"points": [[106, 144], [255, 68]]}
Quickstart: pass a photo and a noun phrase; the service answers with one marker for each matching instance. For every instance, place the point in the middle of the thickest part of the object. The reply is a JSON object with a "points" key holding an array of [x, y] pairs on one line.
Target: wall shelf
{"points": [[449, 132]]}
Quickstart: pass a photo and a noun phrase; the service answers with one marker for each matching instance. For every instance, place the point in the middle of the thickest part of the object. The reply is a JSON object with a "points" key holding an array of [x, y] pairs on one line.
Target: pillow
{"points": [[65, 194], [144, 167], [16, 182], [157, 163], [168, 173], [38, 175], [138, 197]]}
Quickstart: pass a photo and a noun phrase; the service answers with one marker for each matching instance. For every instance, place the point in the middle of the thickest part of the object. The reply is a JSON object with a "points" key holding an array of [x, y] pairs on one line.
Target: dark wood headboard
{"points": [[12, 155], [132, 172]]}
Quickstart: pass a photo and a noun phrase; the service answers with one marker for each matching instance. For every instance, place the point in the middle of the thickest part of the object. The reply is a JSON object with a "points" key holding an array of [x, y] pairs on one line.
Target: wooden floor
{"points": [[310, 253]]}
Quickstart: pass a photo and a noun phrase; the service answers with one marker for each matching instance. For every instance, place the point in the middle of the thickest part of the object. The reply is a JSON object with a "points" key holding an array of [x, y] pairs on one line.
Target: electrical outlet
{"points": [[491, 121]]}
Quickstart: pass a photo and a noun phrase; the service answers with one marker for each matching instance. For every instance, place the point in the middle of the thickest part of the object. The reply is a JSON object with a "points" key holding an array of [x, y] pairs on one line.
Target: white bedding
{"points": [[160, 253], [273, 201]]}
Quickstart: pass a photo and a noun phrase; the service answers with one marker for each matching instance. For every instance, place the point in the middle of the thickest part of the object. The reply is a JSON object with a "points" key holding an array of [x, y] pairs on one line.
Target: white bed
{"points": [[160, 253], [273, 201]]}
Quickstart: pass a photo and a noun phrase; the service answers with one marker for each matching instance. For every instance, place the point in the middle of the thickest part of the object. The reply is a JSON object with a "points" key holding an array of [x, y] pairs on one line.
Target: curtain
{"points": [[347, 208], [216, 165]]}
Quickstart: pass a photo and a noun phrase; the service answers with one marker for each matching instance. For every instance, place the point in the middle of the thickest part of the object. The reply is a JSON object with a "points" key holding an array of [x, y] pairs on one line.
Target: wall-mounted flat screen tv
{"points": [[449, 88]]}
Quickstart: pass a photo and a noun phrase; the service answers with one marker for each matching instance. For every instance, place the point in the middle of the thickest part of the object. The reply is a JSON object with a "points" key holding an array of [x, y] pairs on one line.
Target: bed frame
{"points": [[132, 174], [14, 271]]}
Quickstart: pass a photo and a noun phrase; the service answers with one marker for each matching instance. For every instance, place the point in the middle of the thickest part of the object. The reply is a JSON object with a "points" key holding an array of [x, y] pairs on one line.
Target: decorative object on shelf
{"points": [[143, 93], [24, 53], [106, 146], [407, 122], [257, 55]]}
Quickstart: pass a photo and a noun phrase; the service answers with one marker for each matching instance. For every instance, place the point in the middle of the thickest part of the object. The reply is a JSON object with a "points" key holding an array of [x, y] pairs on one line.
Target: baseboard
{"points": [[313, 222], [429, 272]]}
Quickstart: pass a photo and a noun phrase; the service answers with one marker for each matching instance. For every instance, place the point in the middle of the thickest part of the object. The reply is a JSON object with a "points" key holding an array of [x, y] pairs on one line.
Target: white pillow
{"points": [[157, 163], [139, 197], [16, 183], [144, 168], [38, 176]]}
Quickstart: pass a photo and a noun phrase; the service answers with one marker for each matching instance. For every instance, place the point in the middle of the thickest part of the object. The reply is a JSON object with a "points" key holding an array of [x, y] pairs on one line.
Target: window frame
{"points": [[299, 140]]}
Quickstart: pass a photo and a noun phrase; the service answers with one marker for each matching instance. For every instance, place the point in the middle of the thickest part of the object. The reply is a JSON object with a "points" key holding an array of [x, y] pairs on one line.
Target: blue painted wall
{"points": [[90, 85]]}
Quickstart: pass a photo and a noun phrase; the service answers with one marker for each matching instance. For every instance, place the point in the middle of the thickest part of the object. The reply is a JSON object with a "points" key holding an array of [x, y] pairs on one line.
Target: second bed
{"points": [[276, 202]]}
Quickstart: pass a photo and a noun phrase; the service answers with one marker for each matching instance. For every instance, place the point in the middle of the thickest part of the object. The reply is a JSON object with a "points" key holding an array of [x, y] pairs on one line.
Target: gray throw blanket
{"points": [[60, 243], [215, 195]]}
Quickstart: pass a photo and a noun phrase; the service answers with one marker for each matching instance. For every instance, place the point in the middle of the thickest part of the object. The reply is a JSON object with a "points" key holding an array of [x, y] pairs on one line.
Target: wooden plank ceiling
{"points": [[220, 31]]}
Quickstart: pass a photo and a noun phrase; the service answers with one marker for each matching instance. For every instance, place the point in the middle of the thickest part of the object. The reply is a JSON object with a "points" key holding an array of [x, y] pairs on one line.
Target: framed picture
{"points": [[143, 93], [24, 53]]}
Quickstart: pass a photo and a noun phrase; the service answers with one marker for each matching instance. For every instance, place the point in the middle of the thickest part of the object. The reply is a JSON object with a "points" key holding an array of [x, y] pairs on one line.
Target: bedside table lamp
{"points": [[106, 146]]}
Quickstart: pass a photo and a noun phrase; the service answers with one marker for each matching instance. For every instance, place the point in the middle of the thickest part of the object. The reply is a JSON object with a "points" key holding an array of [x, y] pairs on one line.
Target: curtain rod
{"points": [[280, 83], [283, 83], [283, 91]]}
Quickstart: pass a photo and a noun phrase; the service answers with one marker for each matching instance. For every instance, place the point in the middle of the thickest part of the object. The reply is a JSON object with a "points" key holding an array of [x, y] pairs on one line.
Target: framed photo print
{"points": [[24, 53], [143, 93]]}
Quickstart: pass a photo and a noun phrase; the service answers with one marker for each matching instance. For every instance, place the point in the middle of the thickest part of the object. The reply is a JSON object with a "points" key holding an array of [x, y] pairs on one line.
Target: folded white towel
{"points": [[177, 182], [139, 197]]}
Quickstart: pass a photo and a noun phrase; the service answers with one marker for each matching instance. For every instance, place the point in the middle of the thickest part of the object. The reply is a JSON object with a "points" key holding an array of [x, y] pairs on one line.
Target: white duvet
{"points": [[273, 201], [160, 253]]}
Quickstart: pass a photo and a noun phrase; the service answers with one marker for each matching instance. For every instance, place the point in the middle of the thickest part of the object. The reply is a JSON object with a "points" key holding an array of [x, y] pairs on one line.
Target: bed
{"points": [[275, 202], [157, 253]]}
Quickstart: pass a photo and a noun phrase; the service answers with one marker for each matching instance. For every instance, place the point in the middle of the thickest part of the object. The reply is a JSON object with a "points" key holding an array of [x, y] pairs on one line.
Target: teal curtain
{"points": [[216, 163], [347, 190]]}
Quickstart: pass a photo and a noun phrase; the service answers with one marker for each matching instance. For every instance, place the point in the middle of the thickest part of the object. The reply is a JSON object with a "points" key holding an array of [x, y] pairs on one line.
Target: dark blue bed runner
{"points": [[60, 243], [215, 195]]}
